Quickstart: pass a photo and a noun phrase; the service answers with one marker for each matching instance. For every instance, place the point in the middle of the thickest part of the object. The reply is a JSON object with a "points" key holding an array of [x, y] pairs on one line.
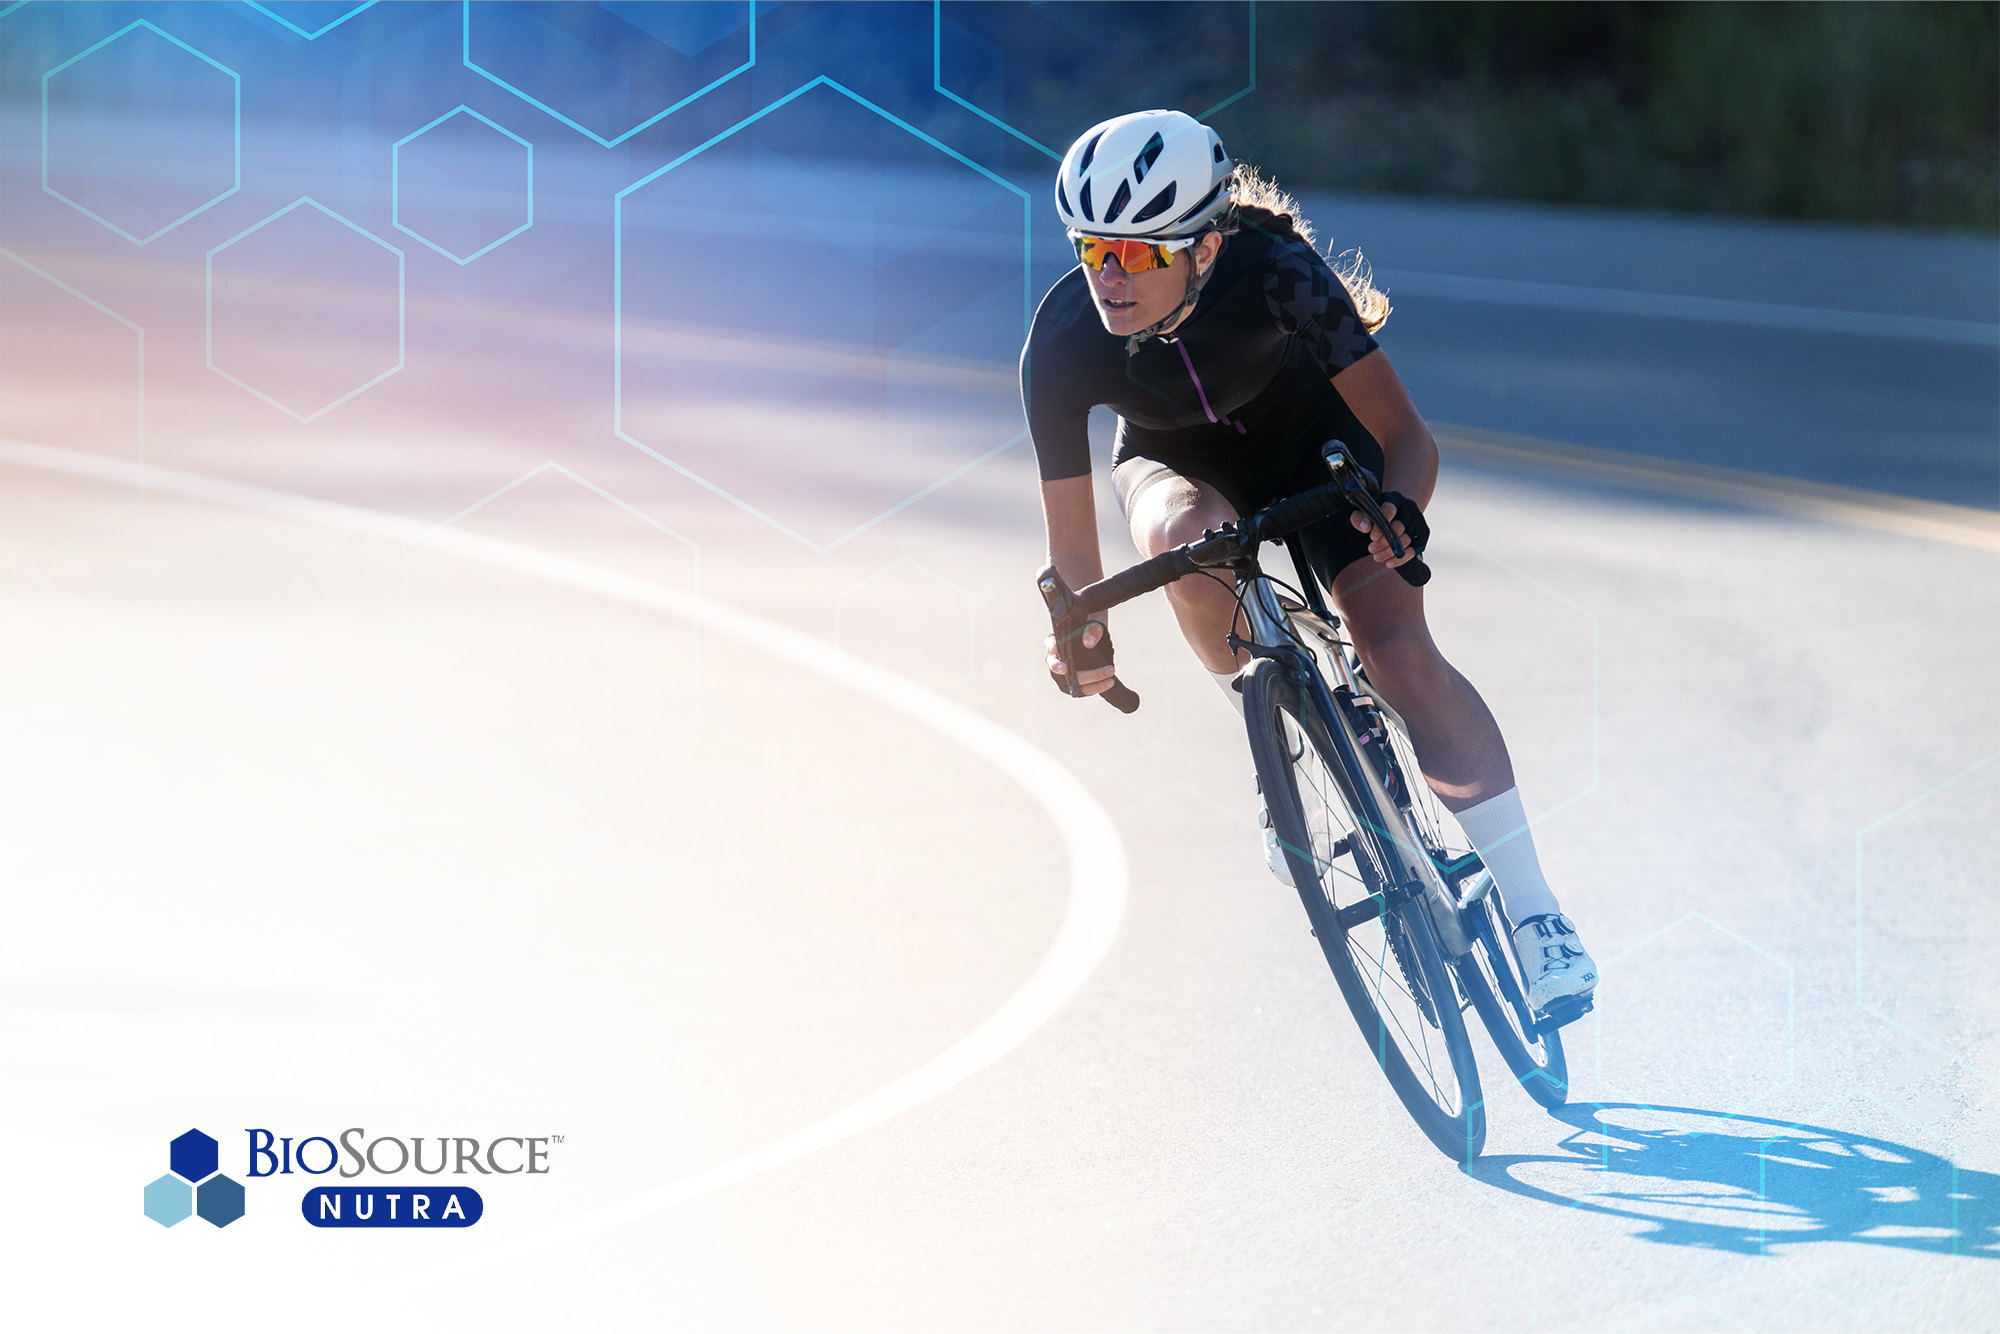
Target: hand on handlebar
{"points": [[1092, 645], [1412, 532]]}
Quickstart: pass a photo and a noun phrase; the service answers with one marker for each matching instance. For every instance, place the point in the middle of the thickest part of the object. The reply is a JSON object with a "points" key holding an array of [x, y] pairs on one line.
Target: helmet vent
{"points": [[1161, 203], [1083, 198], [1089, 152], [1063, 199], [1147, 157], [1119, 201], [1218, 152], [1206, 200]]}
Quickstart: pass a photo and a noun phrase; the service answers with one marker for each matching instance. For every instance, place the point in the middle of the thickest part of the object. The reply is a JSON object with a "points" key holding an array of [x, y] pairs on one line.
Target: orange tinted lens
{"points": [[1132, 256]]}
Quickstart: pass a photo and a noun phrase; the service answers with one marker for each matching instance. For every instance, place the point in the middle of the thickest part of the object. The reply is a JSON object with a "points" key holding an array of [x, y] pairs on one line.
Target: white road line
{"points": [[1665, 305], [1099, 875]]}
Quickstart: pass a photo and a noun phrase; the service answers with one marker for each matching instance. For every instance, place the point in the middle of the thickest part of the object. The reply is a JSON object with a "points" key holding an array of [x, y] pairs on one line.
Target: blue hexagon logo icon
{"points": [[194, 1186], [169, 1200], [219, 1200], [194, 1156]]}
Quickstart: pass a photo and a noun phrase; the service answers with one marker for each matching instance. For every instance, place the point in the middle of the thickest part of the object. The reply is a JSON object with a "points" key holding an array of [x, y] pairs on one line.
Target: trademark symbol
{"points": [[555, 1139]]}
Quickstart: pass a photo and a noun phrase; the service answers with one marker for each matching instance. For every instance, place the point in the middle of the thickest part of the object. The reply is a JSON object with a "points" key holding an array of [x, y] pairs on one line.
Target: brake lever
{"points": [[1059, 598], [1370, 508], [1359, 486]]}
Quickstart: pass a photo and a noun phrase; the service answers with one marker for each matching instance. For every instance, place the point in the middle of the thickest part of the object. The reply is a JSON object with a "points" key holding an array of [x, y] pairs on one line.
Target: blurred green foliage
{"points": [[1864, 111]]}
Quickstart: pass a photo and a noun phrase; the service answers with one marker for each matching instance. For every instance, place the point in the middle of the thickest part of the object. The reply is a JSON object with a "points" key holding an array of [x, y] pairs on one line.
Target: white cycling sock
{"points": [[1227, 682], [1498, 828]]}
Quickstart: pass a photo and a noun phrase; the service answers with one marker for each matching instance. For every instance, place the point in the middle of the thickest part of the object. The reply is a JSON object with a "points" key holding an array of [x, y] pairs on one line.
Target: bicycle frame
{"points": [[1274, 632]]}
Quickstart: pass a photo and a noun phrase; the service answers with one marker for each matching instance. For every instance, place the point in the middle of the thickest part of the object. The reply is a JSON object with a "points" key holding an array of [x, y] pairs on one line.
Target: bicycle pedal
{"points": [[1564, 1011]]}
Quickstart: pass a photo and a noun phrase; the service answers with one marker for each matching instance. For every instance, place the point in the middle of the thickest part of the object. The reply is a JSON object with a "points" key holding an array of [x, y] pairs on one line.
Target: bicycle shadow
{"points": [[1751, 1184]]}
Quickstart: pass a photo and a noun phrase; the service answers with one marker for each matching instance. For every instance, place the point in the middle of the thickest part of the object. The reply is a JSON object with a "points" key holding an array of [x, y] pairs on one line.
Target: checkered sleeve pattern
{"points": [[1311, 304]]}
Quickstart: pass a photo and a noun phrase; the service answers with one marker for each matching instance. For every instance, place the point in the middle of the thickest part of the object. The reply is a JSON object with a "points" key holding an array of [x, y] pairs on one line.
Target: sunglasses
{"points": [[1132, 256]]}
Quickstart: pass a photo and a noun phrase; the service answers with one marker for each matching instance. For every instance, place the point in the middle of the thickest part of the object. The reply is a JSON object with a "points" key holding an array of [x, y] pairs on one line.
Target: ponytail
{"points": [[1263, 205]]}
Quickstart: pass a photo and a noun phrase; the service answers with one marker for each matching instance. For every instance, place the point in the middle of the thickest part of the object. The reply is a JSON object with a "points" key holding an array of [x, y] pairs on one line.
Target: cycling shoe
{"points": [[1553, 957]]}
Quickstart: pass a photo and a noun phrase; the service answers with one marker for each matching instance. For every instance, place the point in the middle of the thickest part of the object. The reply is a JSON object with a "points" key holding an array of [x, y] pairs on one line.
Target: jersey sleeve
{"points": [[1312, 305], [1058, 408]]}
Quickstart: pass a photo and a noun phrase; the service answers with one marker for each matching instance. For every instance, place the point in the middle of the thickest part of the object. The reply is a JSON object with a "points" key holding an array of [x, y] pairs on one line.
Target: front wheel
{"points": [[1373, 931]]}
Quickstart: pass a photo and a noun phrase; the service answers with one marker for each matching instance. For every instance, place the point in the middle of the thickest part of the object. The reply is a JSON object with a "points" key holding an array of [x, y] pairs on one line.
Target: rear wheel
{"points": [[1493, 981], [1488, 973], [1373, 932]]}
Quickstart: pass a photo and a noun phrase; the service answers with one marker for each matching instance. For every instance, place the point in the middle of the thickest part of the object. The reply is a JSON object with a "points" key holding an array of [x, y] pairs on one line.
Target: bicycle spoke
{"points": [[1386, 962], [1401, 1010]]}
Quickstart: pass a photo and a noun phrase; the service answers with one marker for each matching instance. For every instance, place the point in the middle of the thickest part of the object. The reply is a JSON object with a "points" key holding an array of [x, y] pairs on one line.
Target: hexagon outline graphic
{"points": [[1596, 687], [1815, 1123], [971, 606], [618, 307], [324, 28], [1752, 1238], [236, 131], [550, 465], [1791, 1017], [937, 80], [99, 306], [594, 579], [396, 185], [465, 57], [209, 304], [1859, 913]]}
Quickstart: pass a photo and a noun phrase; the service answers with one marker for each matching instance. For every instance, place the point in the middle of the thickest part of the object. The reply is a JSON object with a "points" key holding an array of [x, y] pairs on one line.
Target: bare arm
{"points": [[1069, 513], [1375, 393]]}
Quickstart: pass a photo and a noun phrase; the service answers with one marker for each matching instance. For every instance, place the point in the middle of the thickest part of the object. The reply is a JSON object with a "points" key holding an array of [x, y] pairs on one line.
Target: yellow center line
{"points": [[1958, 525]]}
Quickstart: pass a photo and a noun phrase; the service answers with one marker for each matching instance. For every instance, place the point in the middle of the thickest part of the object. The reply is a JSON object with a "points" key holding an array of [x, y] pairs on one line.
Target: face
{"points": [[1129, 302]]}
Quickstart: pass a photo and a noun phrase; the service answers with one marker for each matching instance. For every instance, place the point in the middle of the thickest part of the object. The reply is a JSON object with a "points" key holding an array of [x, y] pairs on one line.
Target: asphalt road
{"points": [[1852, 355], [316, 827]]}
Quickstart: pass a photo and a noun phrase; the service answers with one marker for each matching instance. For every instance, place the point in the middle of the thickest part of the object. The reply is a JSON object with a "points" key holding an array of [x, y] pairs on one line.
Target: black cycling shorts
{"points": [[1253, 477]]}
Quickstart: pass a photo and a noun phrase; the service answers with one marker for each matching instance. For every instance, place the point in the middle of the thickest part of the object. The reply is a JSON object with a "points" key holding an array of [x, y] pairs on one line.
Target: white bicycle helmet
{"points": [[1152, 175]]}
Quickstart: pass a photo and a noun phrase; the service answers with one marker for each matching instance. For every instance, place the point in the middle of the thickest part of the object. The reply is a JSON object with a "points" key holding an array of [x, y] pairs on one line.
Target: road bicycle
{"points": [[1410, 921]]}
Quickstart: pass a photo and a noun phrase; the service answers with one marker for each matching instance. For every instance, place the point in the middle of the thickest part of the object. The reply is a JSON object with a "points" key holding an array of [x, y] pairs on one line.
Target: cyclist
{"points": [[1230, 350]]}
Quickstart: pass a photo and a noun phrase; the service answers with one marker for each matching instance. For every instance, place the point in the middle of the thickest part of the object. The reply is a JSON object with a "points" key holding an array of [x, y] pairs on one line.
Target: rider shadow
{"points": [[1754, 1185]]}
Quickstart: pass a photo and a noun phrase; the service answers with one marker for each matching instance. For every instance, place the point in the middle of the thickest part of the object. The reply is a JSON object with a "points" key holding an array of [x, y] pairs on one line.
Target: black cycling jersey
{"points": [[1248, 368]]}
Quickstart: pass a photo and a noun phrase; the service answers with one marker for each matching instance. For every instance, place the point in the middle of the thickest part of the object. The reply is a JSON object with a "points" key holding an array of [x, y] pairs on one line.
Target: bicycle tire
{"points": [[1390, 972], [1537, 1059], [1488, 973]]}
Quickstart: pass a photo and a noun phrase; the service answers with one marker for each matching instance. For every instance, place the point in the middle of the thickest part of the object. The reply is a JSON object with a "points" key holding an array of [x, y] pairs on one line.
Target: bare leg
{"points": [[1457, 742], [1168, 513]]}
